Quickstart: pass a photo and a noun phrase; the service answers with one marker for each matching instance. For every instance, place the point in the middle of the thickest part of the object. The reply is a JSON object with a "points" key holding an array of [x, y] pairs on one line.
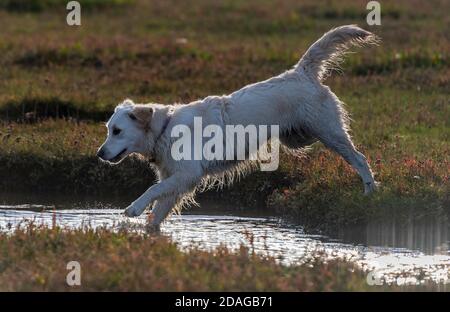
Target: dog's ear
{"points": [[125, 103], [142, 114]]}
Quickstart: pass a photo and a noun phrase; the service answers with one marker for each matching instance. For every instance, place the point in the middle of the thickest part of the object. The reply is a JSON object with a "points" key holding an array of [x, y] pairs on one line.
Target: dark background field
{"points": [[59, 83]]}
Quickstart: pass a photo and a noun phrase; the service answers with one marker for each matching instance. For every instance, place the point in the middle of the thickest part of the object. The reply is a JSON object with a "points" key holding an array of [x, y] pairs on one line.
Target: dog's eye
{"points": [[116, 131]]}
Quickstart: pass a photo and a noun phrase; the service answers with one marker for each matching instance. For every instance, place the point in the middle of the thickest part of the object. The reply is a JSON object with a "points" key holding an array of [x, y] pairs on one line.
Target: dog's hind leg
{"points": [[342, 144], [333, 134]]}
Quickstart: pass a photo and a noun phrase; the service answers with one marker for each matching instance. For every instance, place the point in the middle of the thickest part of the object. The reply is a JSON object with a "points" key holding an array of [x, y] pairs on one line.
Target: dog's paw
{"points": [[132, 211], [371, 187]]}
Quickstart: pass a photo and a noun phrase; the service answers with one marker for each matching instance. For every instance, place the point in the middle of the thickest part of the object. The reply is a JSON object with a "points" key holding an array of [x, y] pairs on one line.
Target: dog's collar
{"points": [[163, 129], [166, 123]]}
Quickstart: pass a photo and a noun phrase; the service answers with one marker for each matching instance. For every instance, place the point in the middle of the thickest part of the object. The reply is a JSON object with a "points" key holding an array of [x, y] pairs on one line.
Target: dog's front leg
{"points": [[162, 208], [171, 186]]}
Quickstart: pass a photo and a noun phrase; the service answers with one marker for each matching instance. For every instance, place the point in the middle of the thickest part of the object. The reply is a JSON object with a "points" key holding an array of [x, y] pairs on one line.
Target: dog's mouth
{"points": [[118, 157]]}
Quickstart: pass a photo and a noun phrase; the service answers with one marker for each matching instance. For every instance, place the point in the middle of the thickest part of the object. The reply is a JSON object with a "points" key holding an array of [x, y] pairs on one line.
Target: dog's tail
{"points": [[327, 52]]}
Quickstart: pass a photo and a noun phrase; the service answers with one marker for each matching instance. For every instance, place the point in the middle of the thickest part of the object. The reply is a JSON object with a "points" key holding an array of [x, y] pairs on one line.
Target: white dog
{"points": [[297, 101]]}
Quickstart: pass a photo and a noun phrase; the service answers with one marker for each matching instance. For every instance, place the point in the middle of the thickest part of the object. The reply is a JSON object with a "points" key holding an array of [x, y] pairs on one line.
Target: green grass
{"points": [[34, 258], [156, 51]]}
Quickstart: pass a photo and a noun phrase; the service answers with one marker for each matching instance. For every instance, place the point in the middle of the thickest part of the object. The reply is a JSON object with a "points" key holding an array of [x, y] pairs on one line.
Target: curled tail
{"points": [[327, 52]]}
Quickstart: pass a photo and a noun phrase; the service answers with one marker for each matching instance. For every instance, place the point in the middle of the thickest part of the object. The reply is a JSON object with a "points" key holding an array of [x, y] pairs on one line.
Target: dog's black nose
{"points": [[100, 153]]}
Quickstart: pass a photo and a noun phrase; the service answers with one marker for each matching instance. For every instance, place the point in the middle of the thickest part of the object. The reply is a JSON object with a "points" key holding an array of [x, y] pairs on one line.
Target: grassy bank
{"points": [[34, 258], [58, 83]]}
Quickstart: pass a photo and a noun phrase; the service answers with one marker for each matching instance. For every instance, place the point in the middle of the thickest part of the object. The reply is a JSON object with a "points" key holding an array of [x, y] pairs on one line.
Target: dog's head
{"points": [[127, 132]]}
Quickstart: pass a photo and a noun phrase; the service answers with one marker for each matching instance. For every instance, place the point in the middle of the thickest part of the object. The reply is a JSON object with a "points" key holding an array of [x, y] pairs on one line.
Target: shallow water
{"points": [[397, 254]]}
